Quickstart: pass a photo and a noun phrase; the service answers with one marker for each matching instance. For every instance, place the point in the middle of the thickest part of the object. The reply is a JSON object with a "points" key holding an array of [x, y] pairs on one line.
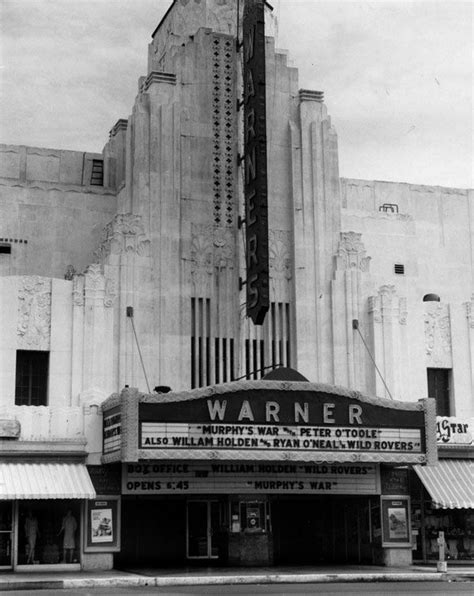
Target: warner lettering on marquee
{"points": [[282, 424], [255, 161]]}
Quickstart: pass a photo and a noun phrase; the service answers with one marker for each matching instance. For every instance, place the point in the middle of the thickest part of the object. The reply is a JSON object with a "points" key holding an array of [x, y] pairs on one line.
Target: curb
{"points": [[200, 580], [203, 580], [55, 584]]}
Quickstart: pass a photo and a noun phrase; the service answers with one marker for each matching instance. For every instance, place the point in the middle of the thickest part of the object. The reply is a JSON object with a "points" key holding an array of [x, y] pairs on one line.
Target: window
{"points": [[439, 383], [253, 516], [31, 386], [5, 249], [97, 175], [250, 516], [49, 532]]}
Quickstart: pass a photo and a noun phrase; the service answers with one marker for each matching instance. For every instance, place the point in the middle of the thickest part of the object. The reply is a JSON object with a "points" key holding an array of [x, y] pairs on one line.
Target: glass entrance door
{"points": [[202, 529], [6, 534]]}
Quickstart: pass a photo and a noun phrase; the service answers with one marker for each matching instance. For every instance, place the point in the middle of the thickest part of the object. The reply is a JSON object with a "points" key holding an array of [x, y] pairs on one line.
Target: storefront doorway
{"points": [[321, 530], [203, 523], [198, 530]]}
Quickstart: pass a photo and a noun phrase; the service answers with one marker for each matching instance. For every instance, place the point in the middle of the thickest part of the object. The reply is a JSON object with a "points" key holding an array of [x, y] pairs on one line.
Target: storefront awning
{"points": [[45, 481], [450, 483]]}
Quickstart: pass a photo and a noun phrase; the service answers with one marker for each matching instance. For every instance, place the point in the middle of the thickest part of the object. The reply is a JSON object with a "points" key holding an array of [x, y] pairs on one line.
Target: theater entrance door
{"points": [[202, 529]]}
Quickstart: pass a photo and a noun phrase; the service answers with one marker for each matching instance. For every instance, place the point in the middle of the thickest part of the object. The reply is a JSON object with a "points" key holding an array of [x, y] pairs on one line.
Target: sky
{"points": [[397, 77]]}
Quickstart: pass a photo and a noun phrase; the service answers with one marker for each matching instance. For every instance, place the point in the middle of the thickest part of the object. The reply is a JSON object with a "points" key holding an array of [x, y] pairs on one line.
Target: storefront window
{"points": [[5, 534], [48, 532], [458, 528]]}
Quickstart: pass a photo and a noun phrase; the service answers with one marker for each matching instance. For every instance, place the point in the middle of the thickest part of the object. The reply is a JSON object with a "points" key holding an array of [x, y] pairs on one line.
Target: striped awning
{"points": [[45, 481], [450, 483]]}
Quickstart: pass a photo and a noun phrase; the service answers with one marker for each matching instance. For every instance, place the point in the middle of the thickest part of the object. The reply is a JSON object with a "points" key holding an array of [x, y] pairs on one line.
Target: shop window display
{"points": [[5, 533], [458, 528], [48, 532]]}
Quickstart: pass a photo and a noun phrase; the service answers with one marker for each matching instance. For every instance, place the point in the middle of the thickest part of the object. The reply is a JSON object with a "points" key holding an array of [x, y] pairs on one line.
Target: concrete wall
{"points": [[428, 230], [50, 214], [164, 229], [72, 321]]}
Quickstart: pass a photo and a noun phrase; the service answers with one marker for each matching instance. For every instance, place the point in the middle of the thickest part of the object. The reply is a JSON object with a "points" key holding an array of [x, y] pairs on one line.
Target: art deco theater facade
{"points": [[213, 348]]}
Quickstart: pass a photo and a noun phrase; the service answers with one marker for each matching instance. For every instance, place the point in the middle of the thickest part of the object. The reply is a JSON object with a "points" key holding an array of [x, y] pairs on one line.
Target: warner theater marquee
{"points": [[274, 421]]}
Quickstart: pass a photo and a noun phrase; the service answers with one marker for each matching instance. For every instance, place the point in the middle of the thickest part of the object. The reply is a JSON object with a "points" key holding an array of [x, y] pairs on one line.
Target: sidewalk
{"points": [[223, 576]]}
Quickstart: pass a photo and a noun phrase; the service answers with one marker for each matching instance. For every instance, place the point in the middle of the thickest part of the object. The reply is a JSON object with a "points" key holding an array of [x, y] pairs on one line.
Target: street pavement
{"points": [[164, 578], [332, 589]]}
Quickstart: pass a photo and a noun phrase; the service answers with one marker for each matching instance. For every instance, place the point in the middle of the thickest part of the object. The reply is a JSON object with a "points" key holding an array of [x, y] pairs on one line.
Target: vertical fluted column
{"points": [[351, 266]]}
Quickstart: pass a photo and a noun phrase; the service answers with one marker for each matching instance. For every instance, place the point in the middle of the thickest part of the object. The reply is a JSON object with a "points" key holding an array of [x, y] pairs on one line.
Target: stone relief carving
{"points": [[34, 313], [187, 16], [437, 323], [110, 292], [70, 273], [223, 128], [93, 284], [374, 310], [403, 311], [279, 253], [470, 312], [125, 233], [212, 250], [386, 303], [78, 290], [351, 253], [94, 278]]}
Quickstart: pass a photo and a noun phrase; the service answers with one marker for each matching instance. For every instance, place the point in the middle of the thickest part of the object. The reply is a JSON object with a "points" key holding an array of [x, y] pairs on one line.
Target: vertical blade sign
{"points": [[255, 151]]}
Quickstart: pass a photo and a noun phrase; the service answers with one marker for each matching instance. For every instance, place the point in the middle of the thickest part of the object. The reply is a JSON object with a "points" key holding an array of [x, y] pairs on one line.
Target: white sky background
{"points": [[397, 77]]}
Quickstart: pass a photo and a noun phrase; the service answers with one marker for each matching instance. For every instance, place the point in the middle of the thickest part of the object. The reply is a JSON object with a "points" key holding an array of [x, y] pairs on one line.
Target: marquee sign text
{"points": [[294, 423], [249, 477], [163, 435], [112, 430]]}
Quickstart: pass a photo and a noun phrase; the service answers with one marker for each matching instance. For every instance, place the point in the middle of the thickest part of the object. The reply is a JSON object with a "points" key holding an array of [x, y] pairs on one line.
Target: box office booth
{"points": [[265, 472]]}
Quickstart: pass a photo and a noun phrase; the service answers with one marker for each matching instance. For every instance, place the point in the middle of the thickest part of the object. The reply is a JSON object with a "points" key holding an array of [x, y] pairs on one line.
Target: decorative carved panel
{"points": [[351, 253], [388, 304], [223, 128], [212, 250], [125, 233], [437, 322], [93, 285], [34, 313], [78, 290], [470, 312], [280, 256]]}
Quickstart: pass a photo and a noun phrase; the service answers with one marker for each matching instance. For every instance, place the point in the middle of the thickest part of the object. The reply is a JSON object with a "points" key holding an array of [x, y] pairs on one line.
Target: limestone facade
{"points": [[161, 234]]}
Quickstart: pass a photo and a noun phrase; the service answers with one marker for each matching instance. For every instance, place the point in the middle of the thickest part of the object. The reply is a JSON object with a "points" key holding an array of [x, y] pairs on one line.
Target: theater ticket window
{"points": [[249, 516]]}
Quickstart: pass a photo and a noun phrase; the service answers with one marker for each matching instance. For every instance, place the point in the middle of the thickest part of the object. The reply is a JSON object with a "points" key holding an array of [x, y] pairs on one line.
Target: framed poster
{"points": [[396, 521], [102, 525]]}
